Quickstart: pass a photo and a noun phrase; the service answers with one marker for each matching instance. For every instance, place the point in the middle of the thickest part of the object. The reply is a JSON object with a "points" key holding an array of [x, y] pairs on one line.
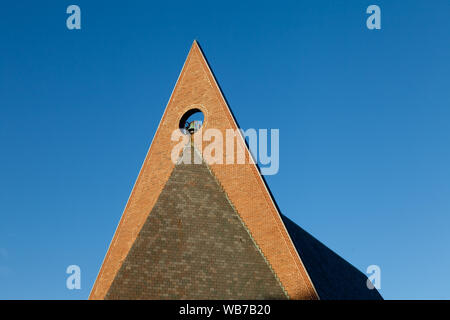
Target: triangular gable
{"points": [[242, 183]]}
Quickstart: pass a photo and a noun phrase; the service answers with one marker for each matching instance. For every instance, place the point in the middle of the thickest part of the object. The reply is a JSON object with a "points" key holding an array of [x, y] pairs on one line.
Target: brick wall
{"points": [[196, 88]]}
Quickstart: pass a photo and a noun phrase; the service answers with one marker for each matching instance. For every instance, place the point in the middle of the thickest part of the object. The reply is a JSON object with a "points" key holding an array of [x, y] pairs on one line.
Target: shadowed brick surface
{"points": [[194, 246]]}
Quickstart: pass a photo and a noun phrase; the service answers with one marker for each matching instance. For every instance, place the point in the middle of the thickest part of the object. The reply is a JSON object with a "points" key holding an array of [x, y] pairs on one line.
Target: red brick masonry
{"points": [[242, 183]]}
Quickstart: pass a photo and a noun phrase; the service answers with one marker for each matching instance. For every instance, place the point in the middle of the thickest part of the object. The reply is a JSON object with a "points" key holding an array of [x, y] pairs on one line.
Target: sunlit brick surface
{"points": [[196, 87]]}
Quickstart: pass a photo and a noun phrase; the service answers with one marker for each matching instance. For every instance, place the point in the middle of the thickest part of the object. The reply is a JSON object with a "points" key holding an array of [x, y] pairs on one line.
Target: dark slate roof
{"points": [[332, 276], [193, 245]]}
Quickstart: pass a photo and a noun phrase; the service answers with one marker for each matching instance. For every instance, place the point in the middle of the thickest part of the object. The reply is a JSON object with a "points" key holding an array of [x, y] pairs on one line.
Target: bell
{"points": [[191, 127]]}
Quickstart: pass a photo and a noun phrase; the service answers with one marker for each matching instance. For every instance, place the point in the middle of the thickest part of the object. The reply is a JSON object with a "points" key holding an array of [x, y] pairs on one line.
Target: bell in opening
{"points": [[191, 121]]}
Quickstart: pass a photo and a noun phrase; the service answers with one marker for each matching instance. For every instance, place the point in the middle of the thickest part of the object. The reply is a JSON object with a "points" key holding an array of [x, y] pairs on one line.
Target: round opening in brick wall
{"points": [[191, 121]]}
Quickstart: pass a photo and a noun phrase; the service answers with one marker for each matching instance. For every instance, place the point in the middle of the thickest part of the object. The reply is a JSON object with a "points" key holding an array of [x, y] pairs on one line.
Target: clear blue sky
{"points": [[363, 116]]}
